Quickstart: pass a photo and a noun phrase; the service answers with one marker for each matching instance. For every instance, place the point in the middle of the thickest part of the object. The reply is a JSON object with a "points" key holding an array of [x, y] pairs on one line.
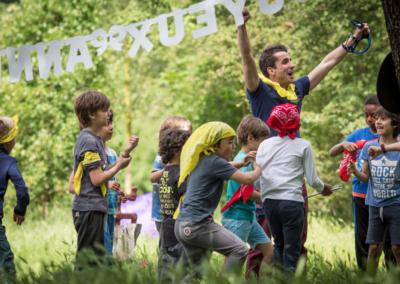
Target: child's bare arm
{"points": [[132, 144], [155, 176], [71, 188], [376, 151], [255, 196], [246, 161], [98, 178], [248, 177], [362, 176], [339, 148]]}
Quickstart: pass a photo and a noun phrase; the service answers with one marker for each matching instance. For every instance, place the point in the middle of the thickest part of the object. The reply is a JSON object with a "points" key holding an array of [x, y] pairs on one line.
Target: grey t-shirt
{"points": [[205, 186], [91, 197]]}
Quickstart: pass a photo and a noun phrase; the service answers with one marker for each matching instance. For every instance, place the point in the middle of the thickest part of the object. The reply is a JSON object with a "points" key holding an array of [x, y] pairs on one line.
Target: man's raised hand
{"points": [[246, 15], [132, 144], [359, 32]]}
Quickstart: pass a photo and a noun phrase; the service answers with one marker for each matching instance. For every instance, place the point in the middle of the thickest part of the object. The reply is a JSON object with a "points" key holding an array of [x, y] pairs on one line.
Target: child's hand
{"points": [[132, 144], [249, 156], [113, 185], [121, 193], [123, 162], [350, 146], [374, 152], [351, 168], [18, 219], [327, 190]]}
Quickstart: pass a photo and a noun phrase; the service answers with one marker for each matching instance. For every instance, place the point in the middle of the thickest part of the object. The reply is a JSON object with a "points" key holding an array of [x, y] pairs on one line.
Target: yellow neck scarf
{"points": [[290, 94], [13, 132], [89, 158], [201, 141]]}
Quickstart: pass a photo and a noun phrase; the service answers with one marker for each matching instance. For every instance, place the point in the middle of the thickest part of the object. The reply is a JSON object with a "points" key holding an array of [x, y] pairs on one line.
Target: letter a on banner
{"points": [[140, 38], [268, 9], [24, 60], [78, 43], [208, 17], [179, 28], [53, 55], [235, 9]]}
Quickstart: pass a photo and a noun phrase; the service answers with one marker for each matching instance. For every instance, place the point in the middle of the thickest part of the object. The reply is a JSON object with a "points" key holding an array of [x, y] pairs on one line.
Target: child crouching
{"points": [[284, 161], [206, 157], [170, 193]]}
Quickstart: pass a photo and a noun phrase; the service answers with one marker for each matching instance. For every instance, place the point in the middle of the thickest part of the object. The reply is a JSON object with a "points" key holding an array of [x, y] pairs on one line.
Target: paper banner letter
{"points": [[270, 9], [140, 38], [208, 17], [179, 28], [53, 55], [115, 42], [235, 9], [78, 43], [102, 44], [24, 60]]}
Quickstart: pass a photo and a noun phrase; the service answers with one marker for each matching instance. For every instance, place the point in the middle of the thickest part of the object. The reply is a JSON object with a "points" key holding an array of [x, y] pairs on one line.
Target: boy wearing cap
{"points": [[9, 171]]}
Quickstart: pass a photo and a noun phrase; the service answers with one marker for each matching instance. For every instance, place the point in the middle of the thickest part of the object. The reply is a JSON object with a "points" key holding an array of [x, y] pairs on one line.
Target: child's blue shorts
{"points": [[381, 221], [248, 231]]}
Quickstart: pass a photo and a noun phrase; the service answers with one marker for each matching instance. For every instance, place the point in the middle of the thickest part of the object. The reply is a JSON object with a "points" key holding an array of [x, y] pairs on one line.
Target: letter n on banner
{"points": [[24, 60], [46, 61], [78, 43]]}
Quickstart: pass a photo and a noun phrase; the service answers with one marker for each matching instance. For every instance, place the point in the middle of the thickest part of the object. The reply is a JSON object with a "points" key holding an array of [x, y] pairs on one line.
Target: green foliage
{"points": [[201, 79]]}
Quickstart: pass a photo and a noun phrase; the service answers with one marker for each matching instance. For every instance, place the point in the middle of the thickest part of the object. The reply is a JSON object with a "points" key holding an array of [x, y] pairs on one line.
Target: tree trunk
{"points": [[391, 9], [45, 200], [128, 176]]}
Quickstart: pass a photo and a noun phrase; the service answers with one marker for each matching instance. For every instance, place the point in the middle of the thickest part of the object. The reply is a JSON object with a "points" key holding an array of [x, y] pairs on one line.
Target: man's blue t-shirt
{"points": [[384, 179], [363, 134], [240, 210], [265, 98]]}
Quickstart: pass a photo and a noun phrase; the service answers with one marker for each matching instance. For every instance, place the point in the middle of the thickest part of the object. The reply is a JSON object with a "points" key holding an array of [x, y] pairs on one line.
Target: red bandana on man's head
{"points": [[285, 119]]}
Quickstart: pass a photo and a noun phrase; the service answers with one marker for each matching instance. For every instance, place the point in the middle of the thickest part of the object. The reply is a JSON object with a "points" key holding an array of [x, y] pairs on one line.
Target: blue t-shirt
{"points": [[384, 179], [240, 210], [112, 194], [156, 204], [265, 98], [363, 134]]}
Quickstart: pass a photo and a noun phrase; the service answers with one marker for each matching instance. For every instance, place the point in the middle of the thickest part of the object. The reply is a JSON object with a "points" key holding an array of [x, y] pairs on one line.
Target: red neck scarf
{"points": [[285, 119]]}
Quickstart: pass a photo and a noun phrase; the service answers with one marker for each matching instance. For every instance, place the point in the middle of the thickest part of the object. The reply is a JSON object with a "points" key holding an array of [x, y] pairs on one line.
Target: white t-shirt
{"points": [[284, 163]]}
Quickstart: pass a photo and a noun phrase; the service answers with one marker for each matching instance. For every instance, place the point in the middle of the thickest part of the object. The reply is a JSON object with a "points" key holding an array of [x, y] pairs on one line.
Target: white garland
{"points": [[78, 43]]}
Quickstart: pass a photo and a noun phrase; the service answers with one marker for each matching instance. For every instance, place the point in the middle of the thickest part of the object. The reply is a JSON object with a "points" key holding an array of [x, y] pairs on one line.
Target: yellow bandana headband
{"points": [[201, 141], [88, 159], [13, 132], [290, 94]]}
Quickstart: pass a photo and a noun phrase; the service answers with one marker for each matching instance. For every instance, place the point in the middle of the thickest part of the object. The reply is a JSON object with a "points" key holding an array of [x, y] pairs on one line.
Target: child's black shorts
{"points": [[380, 220]]}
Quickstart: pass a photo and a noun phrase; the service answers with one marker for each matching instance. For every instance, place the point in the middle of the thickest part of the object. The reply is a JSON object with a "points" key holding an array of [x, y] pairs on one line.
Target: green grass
{"points": [[45, 253]]}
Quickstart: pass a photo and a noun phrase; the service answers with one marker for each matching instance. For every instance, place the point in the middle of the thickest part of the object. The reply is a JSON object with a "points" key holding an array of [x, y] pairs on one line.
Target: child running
{"points": [[383, 195], [360, 209], [206, 157], [239, 217], [284, 160], [9, 171], [170, 150], [90, 202], [172, 122]]}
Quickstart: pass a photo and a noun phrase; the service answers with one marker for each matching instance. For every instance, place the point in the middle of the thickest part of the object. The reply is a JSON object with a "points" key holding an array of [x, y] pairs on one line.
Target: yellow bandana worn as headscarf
{"points": [[12, 133], [88, 159], [290, 94], [201, 141]]}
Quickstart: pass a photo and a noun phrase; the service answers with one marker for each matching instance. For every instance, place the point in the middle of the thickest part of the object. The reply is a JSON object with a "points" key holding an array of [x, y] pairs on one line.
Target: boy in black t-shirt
{"points": [[170, 151]]}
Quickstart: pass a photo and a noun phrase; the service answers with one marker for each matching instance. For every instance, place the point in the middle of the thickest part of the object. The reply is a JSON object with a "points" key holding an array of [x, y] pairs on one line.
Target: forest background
{"points": [[201, 79]]}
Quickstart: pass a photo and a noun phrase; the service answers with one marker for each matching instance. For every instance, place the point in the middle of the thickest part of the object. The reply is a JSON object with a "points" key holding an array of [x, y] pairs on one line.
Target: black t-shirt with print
{"points": [[169, 199]]}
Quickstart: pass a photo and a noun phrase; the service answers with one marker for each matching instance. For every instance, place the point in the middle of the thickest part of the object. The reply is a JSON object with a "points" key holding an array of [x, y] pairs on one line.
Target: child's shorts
{"points": [[380, 220], [248, 231]]}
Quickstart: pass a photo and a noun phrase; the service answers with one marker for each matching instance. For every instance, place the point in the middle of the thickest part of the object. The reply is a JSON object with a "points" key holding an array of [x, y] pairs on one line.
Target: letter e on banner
{"points": [[24, 60], [270, 9], [45, 62], [235, 9], [208, 17], [163, 28], [78, 43]]}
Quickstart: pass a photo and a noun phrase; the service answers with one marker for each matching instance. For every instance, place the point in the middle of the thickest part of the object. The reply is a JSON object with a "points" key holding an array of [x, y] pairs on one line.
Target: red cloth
{"points": [[350, 157], [243, 191], [285, 119]]}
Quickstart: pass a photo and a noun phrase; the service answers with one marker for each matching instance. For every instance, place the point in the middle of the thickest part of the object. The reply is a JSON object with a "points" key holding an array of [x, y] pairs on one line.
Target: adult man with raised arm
{"points": [[275, 85]]}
